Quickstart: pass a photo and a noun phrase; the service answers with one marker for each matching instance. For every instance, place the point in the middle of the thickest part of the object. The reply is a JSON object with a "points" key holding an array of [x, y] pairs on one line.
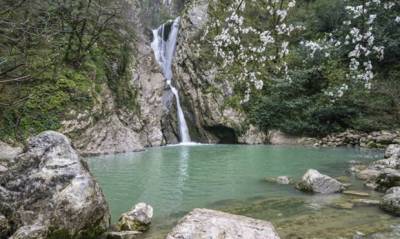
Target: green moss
{"points": [[46, 102], [59, 234], [30, 107], [91, 233]]}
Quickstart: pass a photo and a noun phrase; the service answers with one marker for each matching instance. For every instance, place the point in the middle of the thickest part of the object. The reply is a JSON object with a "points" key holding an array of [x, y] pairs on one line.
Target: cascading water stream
{"points": [[164, 45]]}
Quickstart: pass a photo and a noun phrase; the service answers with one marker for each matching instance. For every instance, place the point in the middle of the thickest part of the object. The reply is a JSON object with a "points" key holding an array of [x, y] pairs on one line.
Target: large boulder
{"points": [[210, 224], [393, 151], [391, 201], [138, 219], [392, 162], [315, 182], [49, 193], [388, 178]]}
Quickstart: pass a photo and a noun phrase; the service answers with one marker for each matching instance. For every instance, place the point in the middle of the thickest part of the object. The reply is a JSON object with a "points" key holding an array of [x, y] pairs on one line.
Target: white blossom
{"points": [[231, 45]]}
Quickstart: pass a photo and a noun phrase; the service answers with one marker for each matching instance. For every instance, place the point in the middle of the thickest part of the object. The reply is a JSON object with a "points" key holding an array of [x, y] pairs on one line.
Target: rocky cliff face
{"points": [[154, 121], [124, 130], [210, 119]]}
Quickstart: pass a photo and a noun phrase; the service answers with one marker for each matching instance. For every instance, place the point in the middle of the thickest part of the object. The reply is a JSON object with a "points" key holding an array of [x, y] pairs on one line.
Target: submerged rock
{"points": [[343, 179], [138, 219], [285, 180], [122, 235], [314, 181], [356, 193], [368, 174], [391, 201], [49, 193], [365, 202], [210, 224]]}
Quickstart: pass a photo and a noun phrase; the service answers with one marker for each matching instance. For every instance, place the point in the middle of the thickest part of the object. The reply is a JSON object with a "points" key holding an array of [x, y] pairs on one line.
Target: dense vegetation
{"points": [[316, 94], [61, 58], [57, 58]]}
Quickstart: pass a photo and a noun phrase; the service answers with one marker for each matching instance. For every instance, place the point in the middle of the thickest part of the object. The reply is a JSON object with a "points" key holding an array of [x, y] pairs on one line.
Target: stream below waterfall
{"points": [[176, 179]]}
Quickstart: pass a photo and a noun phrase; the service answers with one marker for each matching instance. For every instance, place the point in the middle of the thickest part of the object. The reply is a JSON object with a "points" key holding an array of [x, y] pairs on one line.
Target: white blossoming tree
{"points": [[360, 39], [253, 48]]}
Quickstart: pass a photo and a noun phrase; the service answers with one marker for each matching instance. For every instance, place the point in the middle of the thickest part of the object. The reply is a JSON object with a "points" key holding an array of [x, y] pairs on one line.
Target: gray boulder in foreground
{"points": [[210, 224], [315, 182], [48, 192]]}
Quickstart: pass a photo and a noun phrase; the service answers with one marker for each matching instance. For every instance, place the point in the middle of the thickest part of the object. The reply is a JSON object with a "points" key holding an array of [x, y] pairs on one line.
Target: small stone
{"points": [[347, 185], [138, 219], [355, 193], [285, 180], [371, 185], [357, 168], [355, 162], [3, 169]]}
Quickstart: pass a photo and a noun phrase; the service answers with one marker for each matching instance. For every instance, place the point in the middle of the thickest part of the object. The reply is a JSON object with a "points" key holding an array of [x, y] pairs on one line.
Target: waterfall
{"points": [[164, 45]]}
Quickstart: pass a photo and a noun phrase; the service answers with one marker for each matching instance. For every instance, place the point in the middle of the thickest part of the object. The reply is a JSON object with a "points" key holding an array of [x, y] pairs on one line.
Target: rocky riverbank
{"points": [[377, 139], [47, 191], [349, 138]]}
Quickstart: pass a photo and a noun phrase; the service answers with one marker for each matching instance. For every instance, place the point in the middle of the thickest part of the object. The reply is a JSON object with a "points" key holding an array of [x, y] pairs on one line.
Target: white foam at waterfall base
{"points": [[167, 2], [164, 51]]}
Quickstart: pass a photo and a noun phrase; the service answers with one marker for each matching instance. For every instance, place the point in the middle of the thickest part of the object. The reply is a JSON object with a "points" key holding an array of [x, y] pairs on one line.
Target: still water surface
{"points": [[176, 179]]}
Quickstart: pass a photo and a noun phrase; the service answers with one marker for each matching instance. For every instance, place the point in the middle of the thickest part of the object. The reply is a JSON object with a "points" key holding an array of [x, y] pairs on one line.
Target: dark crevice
{"points": [[224, 134]]}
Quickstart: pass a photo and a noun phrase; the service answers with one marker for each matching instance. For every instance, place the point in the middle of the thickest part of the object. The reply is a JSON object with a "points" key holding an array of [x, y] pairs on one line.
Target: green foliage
{"points": [[45, 103], [301, 107], [58, 59]]}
